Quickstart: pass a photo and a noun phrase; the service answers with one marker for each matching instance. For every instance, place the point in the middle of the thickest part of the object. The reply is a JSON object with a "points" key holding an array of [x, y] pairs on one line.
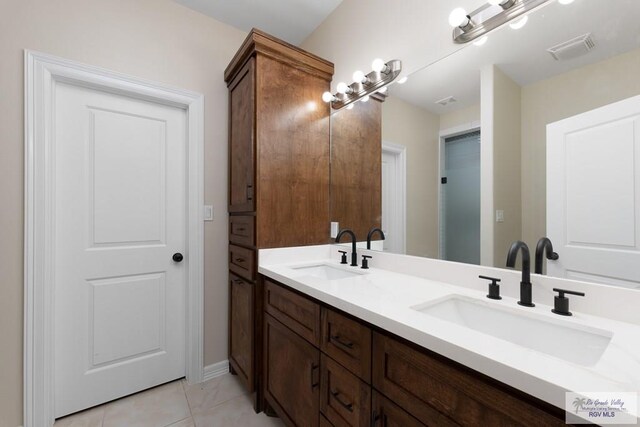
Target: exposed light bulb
{"points": [[358, 76], [383, 90], [378, 65], [458, 17], [365, 98], [481, 41], [350, 107], [519, 23], [403, 80], [342, 88], [497, 2], [328, 97], [565, 1]]}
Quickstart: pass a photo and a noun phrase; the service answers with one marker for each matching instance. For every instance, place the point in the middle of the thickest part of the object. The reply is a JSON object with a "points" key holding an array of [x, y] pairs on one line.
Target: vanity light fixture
{"points": [[365, 85], [495, 13]]}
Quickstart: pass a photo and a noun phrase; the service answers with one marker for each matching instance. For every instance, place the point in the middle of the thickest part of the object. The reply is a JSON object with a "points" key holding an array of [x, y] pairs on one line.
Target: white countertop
{"points": [[384, 298]]}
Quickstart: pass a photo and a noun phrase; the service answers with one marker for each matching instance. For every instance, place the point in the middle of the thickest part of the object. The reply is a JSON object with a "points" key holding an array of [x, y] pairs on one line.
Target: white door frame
{"points": [[42, 73], [444, 134], [400, 151]]}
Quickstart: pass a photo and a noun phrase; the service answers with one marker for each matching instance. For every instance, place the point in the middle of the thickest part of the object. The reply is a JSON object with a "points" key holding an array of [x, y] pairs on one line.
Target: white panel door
{"points": [[593, 195], [120, 215]]}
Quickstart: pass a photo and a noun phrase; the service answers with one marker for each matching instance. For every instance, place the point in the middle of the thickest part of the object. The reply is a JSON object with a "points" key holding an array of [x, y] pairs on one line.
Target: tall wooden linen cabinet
{"points": [[279, 144]]}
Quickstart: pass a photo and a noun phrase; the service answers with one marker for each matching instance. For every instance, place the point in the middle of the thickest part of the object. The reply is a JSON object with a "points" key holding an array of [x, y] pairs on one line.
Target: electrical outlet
{"points": [[335, 228]]}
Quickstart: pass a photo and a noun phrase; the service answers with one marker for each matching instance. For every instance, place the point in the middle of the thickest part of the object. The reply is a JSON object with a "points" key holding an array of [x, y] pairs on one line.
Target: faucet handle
{"points": [[561, 303], [365, 261], [344, 257], [494, 288]]}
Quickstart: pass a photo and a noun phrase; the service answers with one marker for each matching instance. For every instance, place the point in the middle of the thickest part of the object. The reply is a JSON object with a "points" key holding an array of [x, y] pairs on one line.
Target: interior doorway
{"points": [[460, 196], [394, 167]]}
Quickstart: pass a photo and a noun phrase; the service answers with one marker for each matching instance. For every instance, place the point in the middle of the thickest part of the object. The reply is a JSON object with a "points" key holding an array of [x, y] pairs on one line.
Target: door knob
{"points": [[177, 257]]}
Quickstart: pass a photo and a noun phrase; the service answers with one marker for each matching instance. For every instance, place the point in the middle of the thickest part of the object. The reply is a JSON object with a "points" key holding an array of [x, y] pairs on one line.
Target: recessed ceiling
{"points": [[290, 20]]}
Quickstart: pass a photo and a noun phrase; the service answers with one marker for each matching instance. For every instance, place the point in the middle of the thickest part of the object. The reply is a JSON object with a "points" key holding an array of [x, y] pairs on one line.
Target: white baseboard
{"points": [[215, 370]]}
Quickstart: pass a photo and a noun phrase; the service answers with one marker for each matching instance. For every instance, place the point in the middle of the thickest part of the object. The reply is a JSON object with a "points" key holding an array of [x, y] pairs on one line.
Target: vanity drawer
{"points": [[344, 399], [347, 341], [242, 229], [428, 387], [388, 414], [295, 311], [242, 262]]}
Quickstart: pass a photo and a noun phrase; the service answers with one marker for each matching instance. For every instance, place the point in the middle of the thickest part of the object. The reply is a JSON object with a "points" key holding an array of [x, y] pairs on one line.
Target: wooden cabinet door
{"points": [[387, 414], [291, 375], [242, 140], [241, 330]]}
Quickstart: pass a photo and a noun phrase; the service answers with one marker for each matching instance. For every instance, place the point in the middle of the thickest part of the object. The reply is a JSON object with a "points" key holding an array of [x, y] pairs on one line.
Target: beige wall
{"points": [[506, 164], [153, 39], [417, 130], [414, 31], [464, 116], [557, 98]]}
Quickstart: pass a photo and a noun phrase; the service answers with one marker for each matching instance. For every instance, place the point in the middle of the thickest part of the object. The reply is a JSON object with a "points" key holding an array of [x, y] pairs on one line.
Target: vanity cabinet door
{"points": [[434, 389], [347, 341], [242, 140], [387, 414], [291, 375], [344, 399], [241, 336]]}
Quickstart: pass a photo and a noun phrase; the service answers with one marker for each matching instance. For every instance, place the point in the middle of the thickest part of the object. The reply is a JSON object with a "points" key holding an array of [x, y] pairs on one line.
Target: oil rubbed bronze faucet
{"points": [[373, 231], [354, 254], [544, 247], [525, 283]]}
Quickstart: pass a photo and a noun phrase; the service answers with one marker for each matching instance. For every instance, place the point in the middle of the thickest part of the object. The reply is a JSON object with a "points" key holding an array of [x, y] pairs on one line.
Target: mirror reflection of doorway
{"points": [[460, 193]]}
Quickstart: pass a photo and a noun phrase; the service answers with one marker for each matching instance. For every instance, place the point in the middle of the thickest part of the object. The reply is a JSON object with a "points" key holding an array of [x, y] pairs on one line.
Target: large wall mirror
{"points": [[531, 132]]}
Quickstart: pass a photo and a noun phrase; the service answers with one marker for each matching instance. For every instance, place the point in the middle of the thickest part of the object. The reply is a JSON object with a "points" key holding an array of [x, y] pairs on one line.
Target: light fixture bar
{"points": [[484, 22], [374, 81]]}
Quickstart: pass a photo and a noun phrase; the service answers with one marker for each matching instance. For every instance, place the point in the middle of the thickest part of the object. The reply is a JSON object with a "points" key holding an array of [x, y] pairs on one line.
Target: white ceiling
{"points": [[522, 54], [290, 20]]}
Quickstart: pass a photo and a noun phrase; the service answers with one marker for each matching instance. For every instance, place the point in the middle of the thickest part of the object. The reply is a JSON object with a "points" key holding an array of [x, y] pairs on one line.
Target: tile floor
{"points": [[220, 402]]}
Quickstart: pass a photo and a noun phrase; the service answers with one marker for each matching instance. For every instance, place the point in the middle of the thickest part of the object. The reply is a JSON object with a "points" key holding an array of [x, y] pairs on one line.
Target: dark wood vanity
{"points": [[325, 367]]}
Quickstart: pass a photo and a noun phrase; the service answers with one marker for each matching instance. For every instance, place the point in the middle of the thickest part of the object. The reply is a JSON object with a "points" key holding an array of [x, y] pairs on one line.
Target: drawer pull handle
{"points": [[238, 281], [241, 260], [249, 193], [346, 344], [374, 418], [314, 383], [240, 229], [347, 406]]}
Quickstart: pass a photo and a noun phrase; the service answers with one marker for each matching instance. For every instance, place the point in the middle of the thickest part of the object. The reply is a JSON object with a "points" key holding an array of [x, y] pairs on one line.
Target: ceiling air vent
{"points": [[572, 48], [446, 101]]}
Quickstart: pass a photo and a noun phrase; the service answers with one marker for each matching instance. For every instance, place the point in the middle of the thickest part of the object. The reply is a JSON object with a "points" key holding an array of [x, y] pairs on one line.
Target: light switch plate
{"points": [[500, 216], [208, 212], [335, 227]]}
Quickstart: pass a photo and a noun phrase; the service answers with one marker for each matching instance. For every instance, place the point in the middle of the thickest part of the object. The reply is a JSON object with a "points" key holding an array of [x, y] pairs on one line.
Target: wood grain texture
{"points": [[344, 399], [429, 387], [241, 330], [267, 45], [298, 313], [356, 167], [386, 413], [293, 157], [242, 261], [242, 140], [242, 230], [291, 375], [348, 341]]}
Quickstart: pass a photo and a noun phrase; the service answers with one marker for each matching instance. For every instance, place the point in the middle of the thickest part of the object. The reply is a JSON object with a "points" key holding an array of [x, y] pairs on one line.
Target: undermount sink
{"points": [[576, 344], [326, 272]]}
